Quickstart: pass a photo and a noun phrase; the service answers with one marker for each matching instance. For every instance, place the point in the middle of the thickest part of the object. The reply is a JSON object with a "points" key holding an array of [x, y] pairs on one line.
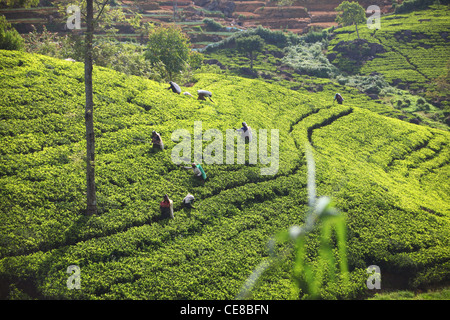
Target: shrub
{"points": [[197, 29], [308, 278], [309, 59], [404, 64], [421, 101], [170, 47], [212, 25], [46, 43], [316, 36], [363, 162], [124, 57], [10, 39], [367, 84], [278, 38]]}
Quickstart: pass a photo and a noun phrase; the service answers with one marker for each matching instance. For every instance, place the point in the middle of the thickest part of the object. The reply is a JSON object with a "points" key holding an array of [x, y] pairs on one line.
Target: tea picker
{"points": [[202, 94], [339, 98], [157, 141], [166, 208], [198, 171], [175, 87], [188, 201], [246, 132]]}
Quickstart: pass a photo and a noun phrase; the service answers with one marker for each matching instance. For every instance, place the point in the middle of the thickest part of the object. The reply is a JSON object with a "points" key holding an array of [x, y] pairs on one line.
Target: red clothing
{"points": [[166, 208], [164, 204]]}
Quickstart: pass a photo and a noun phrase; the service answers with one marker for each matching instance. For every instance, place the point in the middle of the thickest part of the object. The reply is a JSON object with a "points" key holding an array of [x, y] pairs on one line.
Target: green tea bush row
{"points": [[413, 5]]}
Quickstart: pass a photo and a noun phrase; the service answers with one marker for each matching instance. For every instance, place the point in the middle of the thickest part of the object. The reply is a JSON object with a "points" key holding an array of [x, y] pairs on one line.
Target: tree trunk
{"points": [[175, 5], [89, 113], [357, 31]]}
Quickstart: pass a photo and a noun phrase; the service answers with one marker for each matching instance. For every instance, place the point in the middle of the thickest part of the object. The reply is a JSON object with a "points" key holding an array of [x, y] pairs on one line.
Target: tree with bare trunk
{"points": [[89, 113], [91, 207], [351, 13], [250, 45], [97, 14]]}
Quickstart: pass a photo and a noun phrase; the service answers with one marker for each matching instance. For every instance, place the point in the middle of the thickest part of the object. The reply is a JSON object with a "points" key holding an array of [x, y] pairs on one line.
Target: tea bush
{"points": [[413, 5]]}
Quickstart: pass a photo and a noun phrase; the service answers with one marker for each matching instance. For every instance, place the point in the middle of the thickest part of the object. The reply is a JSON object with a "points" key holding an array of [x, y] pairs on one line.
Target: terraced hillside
{"points": [[299, 17], [389, 178], [413, 64], [416, 44]]}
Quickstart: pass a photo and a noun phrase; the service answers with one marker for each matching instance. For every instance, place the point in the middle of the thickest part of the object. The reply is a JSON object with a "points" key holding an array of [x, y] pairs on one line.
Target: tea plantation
{"points": [[399, 66], [415, 43], [388, 177]]}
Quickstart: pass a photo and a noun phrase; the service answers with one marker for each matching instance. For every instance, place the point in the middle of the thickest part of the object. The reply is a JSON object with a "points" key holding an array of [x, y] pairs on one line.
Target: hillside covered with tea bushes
{"points": [[403, 67], [413, 48], [388, 177]]}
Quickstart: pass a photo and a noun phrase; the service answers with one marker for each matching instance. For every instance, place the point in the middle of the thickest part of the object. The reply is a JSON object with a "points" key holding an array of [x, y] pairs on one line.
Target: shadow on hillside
{"points": [[187, 211], [350, 56], [15, 286], [72, 234]]}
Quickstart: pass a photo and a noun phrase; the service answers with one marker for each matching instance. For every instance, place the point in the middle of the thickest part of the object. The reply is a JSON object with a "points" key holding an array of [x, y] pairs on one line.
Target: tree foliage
{"points": [[415, 5], [278, 38], [212, 24], [250, 45], [351, 13], [106, 14], [170, 47], [20, 3]]}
